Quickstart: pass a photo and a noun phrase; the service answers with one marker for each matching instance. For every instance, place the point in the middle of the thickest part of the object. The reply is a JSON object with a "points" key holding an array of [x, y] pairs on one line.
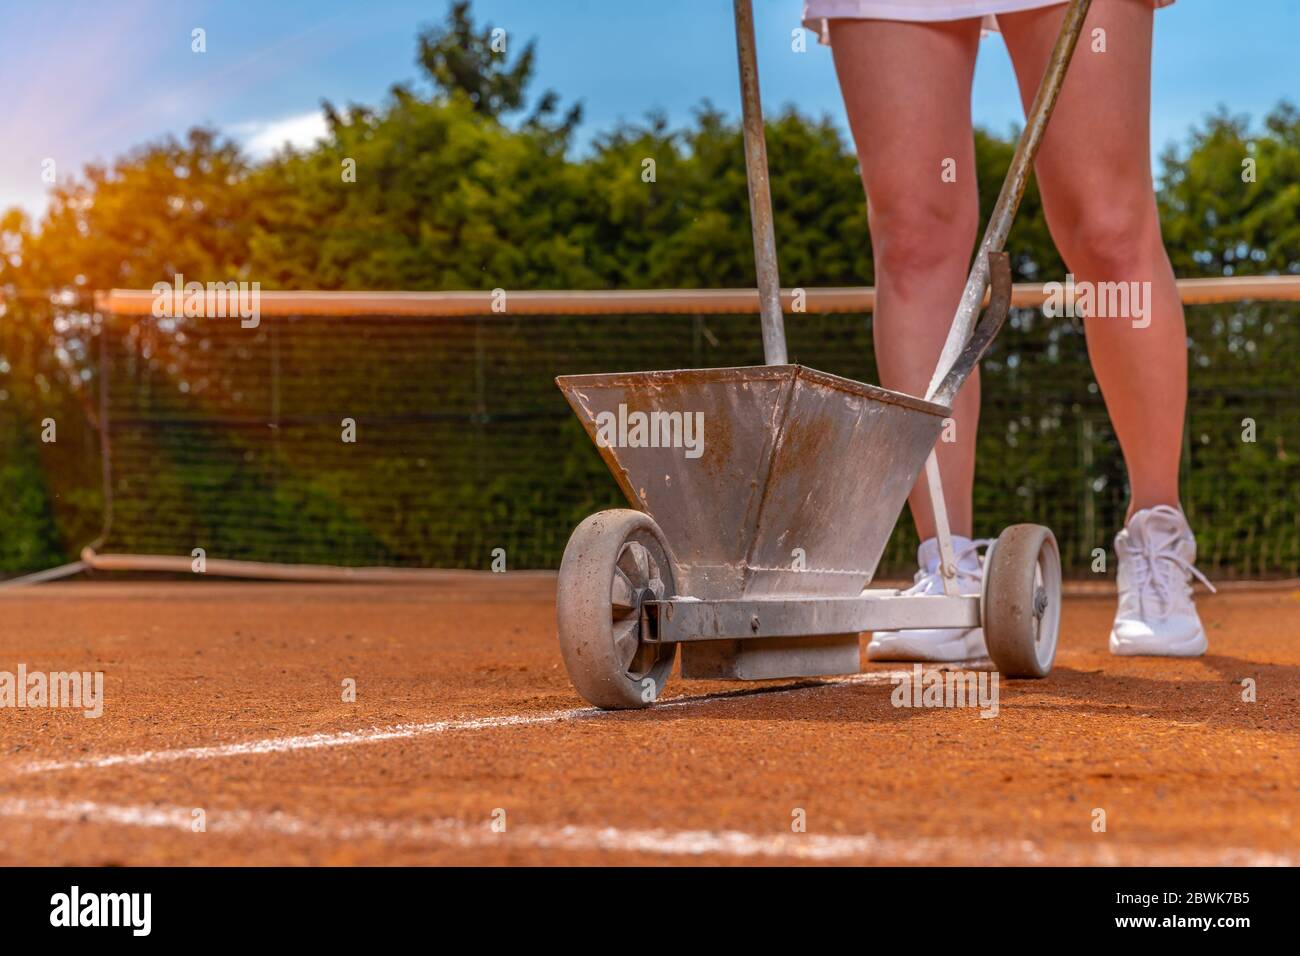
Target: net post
{"points": [[105, 440]]}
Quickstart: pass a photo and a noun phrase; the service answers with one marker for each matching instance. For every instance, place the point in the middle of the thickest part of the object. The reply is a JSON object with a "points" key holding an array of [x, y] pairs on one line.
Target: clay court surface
{"points": [[226, 697]]}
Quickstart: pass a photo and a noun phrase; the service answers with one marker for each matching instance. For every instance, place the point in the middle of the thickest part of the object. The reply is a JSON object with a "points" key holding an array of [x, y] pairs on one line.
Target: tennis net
{"points": [[423, 430]]}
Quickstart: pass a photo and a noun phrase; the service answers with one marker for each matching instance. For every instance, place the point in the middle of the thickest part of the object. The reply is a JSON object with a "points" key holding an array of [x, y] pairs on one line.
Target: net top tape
{"points": [[140, 302]]}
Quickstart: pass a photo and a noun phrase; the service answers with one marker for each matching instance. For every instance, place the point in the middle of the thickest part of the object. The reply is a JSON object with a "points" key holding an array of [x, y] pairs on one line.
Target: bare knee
{"points": [[922, 247], [1113, 241]]}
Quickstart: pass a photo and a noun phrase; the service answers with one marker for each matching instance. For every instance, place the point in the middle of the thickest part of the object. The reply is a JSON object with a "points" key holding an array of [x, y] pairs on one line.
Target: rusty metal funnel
{"points": [[767, 481]]}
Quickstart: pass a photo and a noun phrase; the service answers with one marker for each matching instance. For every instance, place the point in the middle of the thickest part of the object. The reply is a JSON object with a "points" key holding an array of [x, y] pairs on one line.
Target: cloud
{"points": [[261, 138]]}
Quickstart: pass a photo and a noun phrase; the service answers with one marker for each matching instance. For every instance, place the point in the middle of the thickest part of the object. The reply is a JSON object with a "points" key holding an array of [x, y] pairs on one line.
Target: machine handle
{"points": [[991, 322], [1013, 187], [760, 191]]}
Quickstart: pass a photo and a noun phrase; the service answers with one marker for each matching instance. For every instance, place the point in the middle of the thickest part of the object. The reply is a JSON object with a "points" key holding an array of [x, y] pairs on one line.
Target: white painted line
{"points": [[351, 738], [736, 844], [277, 745]]}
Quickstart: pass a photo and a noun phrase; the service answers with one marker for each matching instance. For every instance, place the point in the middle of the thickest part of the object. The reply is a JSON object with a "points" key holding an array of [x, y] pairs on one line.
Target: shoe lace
{"points": [[931, 582], [1161, 571]]}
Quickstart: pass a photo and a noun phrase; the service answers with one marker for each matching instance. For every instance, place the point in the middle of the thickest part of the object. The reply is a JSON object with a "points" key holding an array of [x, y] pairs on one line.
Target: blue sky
{"points": [[85, 81]]}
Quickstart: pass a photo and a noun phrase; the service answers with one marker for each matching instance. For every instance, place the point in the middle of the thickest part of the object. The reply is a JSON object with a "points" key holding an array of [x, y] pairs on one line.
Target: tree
{"points": [[1230, 198], [461, 60]]}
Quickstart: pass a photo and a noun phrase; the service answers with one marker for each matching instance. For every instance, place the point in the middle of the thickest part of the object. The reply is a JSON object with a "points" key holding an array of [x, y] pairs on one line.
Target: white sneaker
{"points": [[938, 643], [1156, 615]]}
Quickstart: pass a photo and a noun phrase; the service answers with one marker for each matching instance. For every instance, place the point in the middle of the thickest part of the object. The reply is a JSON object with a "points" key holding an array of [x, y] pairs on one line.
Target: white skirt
{"points": [[817, 12]]}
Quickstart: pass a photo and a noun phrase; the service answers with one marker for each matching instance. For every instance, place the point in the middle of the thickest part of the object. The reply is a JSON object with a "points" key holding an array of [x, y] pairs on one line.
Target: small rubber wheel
{"points": [[1021, 601], [615, 560]]}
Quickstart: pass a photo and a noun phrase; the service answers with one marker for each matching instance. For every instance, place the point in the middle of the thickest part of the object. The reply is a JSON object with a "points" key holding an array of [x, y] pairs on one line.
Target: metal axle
{"points": [[679, 620]]}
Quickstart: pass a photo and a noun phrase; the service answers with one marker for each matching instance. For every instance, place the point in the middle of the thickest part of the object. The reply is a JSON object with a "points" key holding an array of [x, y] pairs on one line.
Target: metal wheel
{"points": [[1021, 600], [614, 561]]}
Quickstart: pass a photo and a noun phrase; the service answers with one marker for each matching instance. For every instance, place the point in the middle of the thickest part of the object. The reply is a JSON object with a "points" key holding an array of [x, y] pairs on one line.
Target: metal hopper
{"points": [[792, 481]]}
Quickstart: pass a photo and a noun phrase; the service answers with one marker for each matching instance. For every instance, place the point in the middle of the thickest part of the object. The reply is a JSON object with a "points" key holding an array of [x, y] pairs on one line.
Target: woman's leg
{"points": [[1094, 172], [907, 88]]}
